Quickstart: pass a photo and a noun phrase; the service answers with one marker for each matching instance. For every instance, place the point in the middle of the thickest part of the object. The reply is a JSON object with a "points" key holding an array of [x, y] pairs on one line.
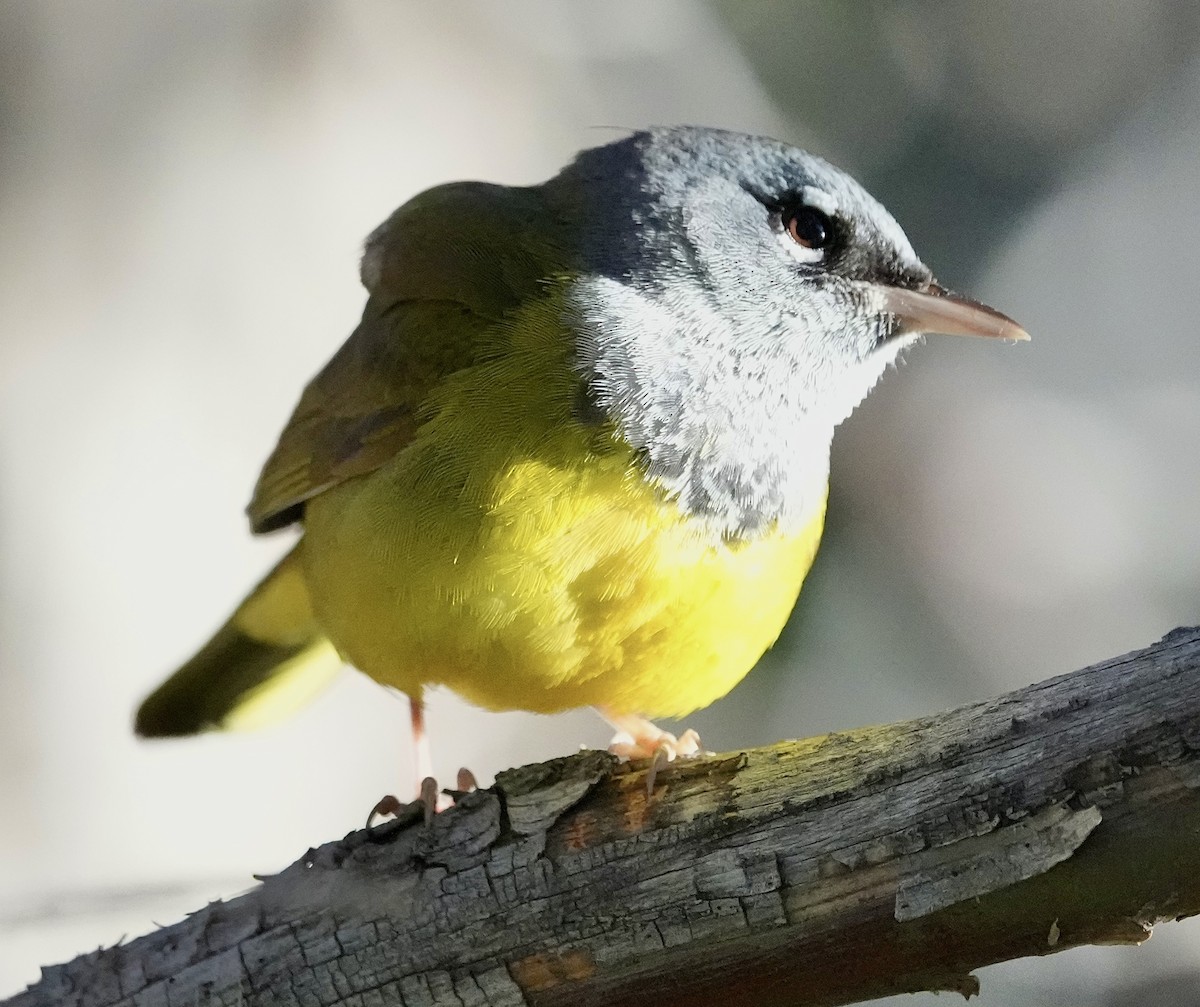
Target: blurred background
{"points": [[184, 187]]}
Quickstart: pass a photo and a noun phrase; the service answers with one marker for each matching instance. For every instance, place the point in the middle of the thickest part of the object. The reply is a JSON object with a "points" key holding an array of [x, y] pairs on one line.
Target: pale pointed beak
{"points": [[935, 309]]}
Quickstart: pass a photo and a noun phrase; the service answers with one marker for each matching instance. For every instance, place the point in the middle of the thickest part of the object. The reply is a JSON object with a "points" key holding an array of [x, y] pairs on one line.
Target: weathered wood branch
{"points": [[825, 871]]}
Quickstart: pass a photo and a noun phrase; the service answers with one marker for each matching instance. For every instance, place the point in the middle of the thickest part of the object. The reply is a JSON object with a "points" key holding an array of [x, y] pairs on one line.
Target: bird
{"points": [[576, 451]]}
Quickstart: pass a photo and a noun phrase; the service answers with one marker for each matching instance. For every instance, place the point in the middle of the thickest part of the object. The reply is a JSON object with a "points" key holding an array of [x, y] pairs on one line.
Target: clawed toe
{"points": [[637, 738], [431, 799], [668, 749], [688, 744], [385, 806]]}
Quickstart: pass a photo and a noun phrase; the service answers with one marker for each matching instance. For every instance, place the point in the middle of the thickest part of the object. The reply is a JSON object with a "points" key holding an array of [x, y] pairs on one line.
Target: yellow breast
{"points": [[575, 585], [518, 556]]}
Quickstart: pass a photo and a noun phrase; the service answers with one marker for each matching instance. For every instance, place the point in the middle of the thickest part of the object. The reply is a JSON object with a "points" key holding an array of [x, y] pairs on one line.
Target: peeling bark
{"points": [[825, 871]]}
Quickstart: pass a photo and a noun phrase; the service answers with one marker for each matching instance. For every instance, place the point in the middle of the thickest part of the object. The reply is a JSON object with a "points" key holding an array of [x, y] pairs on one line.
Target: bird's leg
{"points": [[427, 788], [639, 738], [426, 785], [422, 755]]}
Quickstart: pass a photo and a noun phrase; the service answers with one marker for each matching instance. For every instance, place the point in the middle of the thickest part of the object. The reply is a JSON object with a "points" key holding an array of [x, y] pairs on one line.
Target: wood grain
{"points": [[814, 872]]}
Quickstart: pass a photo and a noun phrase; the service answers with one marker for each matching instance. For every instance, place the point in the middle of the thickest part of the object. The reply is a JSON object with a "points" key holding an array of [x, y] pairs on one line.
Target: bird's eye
{"points": [[808, 227]]}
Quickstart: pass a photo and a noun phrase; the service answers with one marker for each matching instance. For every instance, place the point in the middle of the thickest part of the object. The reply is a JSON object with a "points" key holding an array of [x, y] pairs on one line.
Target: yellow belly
{"points": [[556, 580]]}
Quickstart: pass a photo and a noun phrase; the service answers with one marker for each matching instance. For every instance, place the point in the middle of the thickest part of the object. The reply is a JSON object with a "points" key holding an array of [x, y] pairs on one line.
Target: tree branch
{"points": [[825, 871]]}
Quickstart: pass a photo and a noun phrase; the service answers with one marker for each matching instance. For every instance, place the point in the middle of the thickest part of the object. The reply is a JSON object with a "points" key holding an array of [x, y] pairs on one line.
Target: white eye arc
{"points": [[808, 230]]}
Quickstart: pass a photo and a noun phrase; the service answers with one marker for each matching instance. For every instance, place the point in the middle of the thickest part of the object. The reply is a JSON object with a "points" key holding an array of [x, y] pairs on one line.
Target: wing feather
{"points": [[435, 289]]}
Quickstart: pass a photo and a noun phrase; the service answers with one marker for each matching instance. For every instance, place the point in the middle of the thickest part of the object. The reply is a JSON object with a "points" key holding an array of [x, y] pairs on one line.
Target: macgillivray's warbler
{"points": [[576, 452]]}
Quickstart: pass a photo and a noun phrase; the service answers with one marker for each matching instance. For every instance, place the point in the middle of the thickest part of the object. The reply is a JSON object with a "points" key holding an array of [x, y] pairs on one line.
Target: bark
{"points": [[824, 871]]}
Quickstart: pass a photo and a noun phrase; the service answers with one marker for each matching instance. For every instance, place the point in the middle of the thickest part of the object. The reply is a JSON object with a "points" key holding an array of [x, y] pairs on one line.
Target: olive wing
{"points": [[445, 267]]}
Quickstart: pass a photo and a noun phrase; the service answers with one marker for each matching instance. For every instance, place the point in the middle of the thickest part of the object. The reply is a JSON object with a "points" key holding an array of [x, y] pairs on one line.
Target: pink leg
{"points": [[422, 756], [426, 786]]}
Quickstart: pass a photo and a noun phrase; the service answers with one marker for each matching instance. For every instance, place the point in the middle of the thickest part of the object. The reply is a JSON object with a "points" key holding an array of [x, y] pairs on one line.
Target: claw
{"points": [[430, 798], [389, 805], [660, 760], [688, 744]]}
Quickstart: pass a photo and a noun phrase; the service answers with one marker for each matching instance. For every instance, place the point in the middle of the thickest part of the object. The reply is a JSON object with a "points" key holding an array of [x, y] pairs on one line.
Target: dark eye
{"points": [[808, 227]]}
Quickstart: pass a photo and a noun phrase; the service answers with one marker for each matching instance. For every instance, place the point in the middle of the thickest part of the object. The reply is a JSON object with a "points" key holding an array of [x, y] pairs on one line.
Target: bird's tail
{"points": [[268, 659]]}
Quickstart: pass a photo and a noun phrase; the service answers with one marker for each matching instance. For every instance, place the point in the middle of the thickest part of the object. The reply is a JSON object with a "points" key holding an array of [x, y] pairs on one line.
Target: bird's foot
{"points": [[660, 744], [431, 799], [638, 738]]}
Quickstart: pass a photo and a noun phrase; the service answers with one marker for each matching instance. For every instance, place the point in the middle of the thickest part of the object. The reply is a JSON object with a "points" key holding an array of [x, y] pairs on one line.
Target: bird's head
{"points": [[736, 299]]}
